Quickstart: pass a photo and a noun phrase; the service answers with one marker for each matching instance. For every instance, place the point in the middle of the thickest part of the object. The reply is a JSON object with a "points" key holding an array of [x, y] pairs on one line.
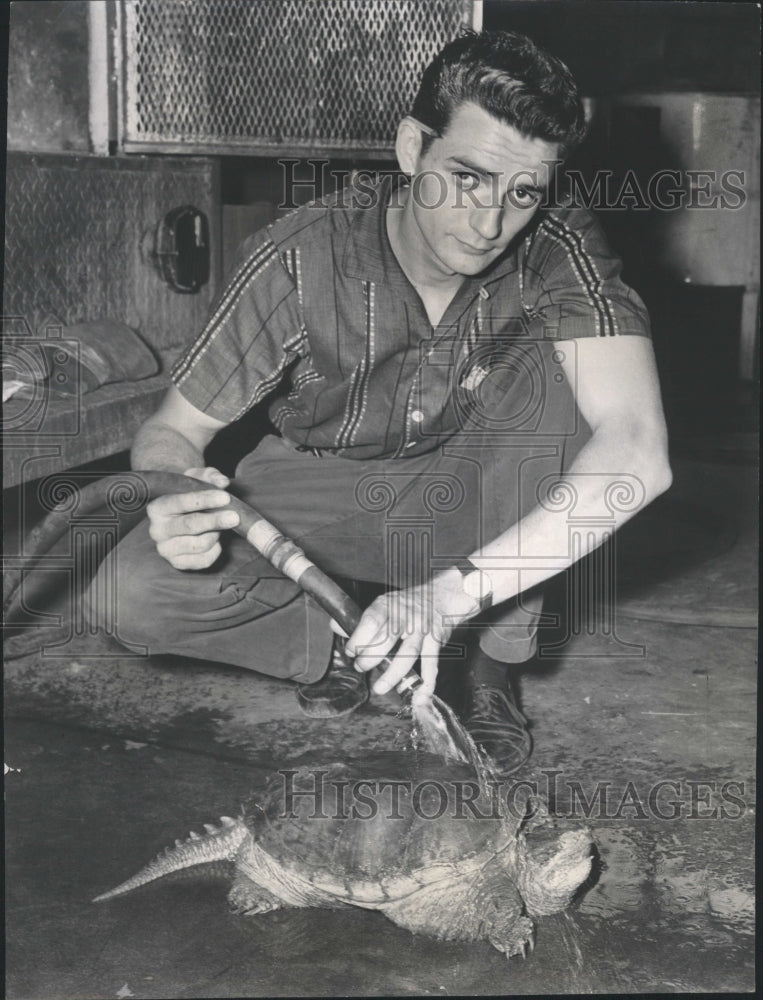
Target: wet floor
{"points": [[114, 757]]}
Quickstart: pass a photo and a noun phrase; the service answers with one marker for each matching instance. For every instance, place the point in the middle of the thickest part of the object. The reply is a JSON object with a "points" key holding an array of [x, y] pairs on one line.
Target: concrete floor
{"points": [[114, 756]]}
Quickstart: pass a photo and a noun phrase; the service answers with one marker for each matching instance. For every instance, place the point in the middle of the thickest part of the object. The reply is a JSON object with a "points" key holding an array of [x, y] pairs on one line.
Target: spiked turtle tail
{"points": [[217, 844]]}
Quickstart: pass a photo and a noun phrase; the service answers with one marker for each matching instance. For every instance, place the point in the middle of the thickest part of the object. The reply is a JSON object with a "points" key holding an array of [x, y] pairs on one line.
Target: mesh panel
{"points": [[292, 74], [73, 234]]}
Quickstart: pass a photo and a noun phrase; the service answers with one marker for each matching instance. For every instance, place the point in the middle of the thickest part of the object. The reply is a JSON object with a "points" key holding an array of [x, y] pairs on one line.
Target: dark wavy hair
{"points": [[508, 76]]}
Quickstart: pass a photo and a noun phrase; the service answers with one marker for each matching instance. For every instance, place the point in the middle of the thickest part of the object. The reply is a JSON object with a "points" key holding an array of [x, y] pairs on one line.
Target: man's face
{"points": [[474, 189]]}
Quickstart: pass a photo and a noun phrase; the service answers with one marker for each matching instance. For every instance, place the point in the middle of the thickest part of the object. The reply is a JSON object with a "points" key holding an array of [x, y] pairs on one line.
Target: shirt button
{"points": [[417, 416]]}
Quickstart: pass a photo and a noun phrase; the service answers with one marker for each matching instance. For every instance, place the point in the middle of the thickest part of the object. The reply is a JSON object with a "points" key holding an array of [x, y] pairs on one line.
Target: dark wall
{"points": [[48, 76], [616, 46]]}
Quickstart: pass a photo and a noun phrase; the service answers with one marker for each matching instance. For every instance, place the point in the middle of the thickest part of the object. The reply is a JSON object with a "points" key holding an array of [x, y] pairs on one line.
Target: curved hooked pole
{"points": [[280, 551]]}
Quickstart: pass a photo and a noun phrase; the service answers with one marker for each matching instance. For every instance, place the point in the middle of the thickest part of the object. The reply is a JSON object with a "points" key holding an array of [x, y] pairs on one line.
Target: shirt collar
{"points": [[368, 254]]}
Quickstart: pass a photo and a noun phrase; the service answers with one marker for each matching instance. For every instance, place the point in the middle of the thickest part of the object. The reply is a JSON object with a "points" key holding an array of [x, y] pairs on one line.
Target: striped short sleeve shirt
{"points": [[319, 317]]}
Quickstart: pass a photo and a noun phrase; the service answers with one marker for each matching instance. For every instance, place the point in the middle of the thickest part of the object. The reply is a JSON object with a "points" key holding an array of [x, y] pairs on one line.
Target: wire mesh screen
{"points": [[274, 75]]}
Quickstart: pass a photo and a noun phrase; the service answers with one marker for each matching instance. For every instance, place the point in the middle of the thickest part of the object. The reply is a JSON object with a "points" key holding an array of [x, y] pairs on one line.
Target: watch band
{"points": [[464, 565]]}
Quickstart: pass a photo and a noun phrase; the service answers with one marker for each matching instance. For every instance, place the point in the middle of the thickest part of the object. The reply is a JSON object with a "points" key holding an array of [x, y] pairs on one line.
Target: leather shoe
{"points": [[497, 726], [340, 691]]}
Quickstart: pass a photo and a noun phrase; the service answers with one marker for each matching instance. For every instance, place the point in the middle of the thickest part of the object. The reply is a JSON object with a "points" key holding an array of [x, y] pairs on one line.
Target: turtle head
{"points": [[549, 875]]}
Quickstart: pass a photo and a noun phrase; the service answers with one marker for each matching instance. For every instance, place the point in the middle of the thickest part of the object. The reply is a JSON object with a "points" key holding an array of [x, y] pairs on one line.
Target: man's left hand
{"points": [[421, 618]]}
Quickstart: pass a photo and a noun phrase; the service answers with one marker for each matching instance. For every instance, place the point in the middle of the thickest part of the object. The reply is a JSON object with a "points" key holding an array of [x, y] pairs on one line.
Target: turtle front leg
{"points": [[247, 898], [500, 907]]}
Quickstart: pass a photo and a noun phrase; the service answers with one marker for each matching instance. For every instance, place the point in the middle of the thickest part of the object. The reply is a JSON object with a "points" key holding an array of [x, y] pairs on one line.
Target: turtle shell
{"points": [[381, 819]]}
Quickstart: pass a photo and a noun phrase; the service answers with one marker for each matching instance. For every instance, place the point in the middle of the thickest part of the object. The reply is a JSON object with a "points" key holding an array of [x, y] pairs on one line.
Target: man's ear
{"points": [[408, 146]]}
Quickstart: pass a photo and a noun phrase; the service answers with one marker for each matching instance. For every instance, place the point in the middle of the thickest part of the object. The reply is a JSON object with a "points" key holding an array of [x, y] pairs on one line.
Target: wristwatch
{"points": [[476, 583]]}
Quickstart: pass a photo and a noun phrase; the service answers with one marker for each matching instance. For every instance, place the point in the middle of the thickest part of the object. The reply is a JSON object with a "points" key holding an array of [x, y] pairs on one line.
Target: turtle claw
{"points": [[246, 899], [524, 938], [515, 939], [528, 945]]}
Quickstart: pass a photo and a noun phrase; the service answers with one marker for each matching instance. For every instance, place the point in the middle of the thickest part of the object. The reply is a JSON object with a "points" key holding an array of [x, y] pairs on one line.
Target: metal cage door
{"points": [[275, 76]]}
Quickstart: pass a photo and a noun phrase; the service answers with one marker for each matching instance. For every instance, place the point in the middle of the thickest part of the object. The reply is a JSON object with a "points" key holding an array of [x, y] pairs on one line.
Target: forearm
{"points": [[160, 447], [579, 513]]}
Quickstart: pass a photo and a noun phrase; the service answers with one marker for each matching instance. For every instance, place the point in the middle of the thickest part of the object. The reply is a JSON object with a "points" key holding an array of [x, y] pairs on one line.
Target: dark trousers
{"points": [[392, 522]]}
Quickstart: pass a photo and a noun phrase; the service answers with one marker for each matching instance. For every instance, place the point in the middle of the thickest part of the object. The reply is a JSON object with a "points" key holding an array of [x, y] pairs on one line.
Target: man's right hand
{"points": [[186, 526]]}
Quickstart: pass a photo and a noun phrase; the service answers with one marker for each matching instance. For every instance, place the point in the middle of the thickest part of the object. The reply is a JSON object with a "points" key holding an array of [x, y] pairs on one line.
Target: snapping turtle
{"points": [[399, 832]]}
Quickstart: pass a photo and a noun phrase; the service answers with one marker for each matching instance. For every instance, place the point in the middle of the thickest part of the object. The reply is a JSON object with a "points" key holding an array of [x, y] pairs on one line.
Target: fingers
{"points": [[198, 561], [395, 616], [373, 638], [427, 650], [188, 545], [164, 527], [209, 475], [186, 526], [430, 657], [182, 503], [402, 662]]}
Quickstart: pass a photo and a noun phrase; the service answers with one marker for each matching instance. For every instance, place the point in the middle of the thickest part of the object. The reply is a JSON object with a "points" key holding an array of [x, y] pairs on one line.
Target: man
{"points": [[445, 358]]}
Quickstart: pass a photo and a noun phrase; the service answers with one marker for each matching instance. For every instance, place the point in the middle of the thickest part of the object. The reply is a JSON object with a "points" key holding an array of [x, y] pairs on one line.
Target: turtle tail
{"points": [[217, 844]]}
